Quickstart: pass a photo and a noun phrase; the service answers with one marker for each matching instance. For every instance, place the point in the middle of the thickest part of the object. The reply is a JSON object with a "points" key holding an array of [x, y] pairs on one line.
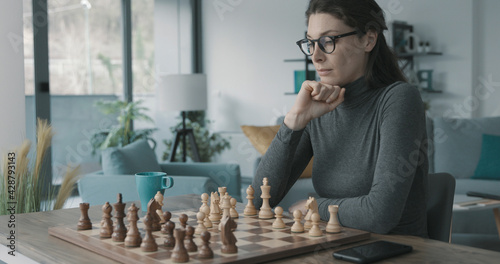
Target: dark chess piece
{"points": [[153, 206], [148, 243], [84, 221], [188, 240], [179, 253], [227, 236], [204, 251], [183, 218], [106, 223], [166, 216], [169, 239], [133, 238], [120, 230]]}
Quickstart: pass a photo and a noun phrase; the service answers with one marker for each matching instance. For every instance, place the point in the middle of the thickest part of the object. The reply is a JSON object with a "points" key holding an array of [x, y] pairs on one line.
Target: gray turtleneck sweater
{"points": [[370, 159]]}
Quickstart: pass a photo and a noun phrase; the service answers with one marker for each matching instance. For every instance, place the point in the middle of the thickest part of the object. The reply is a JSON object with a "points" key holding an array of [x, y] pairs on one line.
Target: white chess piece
{"points": [[159, 200], [333, 225], [315, 231], [297, 227], [278, 223], [265, 210]]}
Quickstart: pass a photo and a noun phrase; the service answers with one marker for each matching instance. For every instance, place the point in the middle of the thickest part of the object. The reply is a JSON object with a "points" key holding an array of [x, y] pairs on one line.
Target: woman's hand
{"points": [[300, 205], [314, 100]]}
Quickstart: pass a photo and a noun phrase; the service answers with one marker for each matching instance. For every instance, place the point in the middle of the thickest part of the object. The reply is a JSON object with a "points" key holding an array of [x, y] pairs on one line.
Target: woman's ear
{"points": [[371, 37]]}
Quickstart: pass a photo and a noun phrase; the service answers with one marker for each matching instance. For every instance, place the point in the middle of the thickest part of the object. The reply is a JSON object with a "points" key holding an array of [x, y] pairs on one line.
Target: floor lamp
{"points": [[183, 92]]}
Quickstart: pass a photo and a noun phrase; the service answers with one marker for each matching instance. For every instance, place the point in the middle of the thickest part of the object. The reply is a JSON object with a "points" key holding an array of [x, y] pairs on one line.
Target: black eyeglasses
{"points": [[325, 43]]}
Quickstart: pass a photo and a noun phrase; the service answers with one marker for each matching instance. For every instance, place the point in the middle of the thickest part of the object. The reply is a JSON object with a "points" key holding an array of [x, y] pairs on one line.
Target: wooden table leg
{"points": [[496, 212]]}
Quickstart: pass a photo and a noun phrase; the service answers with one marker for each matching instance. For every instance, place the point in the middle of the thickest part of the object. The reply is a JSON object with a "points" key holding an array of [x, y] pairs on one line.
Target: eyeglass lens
{"points": [[325, 43]]}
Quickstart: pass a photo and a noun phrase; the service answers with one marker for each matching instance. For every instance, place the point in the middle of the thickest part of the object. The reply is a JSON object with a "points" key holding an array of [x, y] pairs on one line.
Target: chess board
{"points": [[257, 241]]}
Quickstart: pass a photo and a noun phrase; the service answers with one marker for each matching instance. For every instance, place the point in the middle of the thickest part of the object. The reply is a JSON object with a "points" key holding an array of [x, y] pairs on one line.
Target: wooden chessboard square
{"points": [[294, 238], [275, 235], [258, 230], [252, 247], [160, 254], [242, 234], [255, 238], [274, 243]]}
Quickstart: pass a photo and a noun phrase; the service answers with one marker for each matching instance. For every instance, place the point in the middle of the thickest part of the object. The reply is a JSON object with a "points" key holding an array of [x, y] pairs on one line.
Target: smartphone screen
{"points": [[372, 252]]}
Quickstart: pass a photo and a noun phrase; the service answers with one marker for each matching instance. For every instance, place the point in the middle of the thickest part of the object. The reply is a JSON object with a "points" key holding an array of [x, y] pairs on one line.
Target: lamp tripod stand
{"points": [[183, 132]]}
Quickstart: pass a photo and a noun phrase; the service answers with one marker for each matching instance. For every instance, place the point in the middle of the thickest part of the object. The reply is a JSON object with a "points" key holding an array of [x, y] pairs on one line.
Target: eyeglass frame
{"points": [[321, 47]]}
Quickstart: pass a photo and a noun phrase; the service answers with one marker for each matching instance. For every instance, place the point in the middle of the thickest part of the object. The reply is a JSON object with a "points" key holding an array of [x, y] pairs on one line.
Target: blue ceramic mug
{"points": [[149, 183]]}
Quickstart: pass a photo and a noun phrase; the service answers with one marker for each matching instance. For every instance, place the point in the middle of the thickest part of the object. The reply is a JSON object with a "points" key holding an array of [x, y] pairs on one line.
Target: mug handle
{"points": [[170, 181]]}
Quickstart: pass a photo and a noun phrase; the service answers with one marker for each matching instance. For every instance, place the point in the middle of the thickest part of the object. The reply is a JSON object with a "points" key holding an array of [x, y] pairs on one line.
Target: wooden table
{"points": [[34, 241], [464, 203]]}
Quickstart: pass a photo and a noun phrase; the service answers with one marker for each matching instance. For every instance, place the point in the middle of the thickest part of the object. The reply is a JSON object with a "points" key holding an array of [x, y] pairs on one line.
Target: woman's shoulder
{"points": [[401, 94]]}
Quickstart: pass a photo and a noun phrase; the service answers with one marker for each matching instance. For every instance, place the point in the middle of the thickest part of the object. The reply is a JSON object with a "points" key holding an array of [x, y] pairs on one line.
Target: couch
{"points": [[456, 146], [121, 164]]}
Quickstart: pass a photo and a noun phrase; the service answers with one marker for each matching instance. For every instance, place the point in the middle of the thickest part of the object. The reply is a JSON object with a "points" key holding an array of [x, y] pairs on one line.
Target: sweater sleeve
{"points": [[402, 130], [283, 163]]}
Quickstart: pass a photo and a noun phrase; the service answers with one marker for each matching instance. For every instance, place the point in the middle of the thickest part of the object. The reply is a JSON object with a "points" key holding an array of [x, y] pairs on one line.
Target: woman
{"points": [[364, 125]]}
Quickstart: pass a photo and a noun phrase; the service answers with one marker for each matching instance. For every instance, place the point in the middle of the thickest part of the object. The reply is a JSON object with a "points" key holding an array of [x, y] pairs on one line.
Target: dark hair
{"points": [[365, 15]]}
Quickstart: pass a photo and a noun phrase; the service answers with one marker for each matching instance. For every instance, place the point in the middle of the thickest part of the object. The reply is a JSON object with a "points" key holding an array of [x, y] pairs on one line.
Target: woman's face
{"points": [[348, 61]]}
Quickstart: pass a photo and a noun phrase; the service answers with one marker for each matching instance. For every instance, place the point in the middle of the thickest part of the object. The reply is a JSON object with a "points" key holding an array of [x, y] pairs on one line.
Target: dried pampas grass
{"points": [[29, 192]]}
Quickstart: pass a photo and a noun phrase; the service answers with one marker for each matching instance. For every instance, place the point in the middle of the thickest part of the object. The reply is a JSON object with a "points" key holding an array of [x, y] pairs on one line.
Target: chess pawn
{"points": [[159, 199], [278, 223], [204, 251], [265, 210], [297, 227], [84, 221], [166, 215], [133, 238], [250, 208], [188, 240], [232, 212], [207, 223], [183, 218], [204, 201], [179, 253], [149, 243], [106, 223], [333, 225], [200, 216], [315, 231], [169, 239]]}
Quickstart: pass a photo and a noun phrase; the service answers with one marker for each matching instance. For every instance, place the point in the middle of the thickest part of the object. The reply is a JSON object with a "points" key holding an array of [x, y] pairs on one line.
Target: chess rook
{"points": [[333, 225], [179, 253]]}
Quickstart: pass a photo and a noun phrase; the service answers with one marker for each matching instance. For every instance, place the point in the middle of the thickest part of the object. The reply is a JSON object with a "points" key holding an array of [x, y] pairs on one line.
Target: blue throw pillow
{"points": [[135, 157], [488, 167]]}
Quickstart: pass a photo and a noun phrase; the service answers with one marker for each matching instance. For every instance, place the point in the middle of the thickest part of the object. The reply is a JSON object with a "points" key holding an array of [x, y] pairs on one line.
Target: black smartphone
{"points": [[372, 252]]}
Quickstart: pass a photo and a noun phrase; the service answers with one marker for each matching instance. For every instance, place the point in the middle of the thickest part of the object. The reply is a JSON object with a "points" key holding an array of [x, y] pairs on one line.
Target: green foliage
{"points": [[121, 134], [209, 144]]}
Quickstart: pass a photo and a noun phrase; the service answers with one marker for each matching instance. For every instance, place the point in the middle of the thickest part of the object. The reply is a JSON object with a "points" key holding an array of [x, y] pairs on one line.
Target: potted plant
{"points": [[121, 134], [23, 183]]}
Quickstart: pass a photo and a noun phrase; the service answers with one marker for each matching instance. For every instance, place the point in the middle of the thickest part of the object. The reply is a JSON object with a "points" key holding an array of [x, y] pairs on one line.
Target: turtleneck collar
{"points": [[356, 93]]}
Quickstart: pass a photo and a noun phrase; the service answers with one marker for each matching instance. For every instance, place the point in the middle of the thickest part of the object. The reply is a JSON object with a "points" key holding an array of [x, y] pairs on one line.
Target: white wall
{"points": [[245, 43], [12, 113], [486, 74]]}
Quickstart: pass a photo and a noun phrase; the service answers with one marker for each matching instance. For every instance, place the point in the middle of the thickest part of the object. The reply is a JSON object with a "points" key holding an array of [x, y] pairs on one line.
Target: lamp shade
{"points": [[182, 92]]}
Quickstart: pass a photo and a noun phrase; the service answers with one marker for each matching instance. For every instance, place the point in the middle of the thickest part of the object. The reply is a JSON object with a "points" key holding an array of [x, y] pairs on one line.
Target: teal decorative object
{"points": [[300, 77], [488, 167]]}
